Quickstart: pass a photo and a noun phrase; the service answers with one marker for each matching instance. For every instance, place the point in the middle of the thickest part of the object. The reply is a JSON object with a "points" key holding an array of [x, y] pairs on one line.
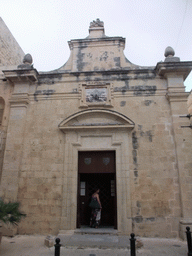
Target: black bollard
{"points": [[188, 233], [57, 247], [132, 244]]}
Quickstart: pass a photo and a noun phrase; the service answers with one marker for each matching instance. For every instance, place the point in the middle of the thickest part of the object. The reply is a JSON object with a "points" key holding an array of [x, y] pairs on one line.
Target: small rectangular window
{"points": [[82, 188], [112, 188]]}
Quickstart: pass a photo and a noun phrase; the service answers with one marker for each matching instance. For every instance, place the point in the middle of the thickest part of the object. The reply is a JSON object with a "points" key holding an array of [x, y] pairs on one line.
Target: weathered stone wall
{"points": [[11, 55], [10, 51], [154, 180], [189, 102], [42, 170], [5, 92]]}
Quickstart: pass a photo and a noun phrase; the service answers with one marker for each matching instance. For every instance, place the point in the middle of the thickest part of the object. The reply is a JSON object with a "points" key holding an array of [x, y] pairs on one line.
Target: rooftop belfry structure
{"points": [[98, 121]]}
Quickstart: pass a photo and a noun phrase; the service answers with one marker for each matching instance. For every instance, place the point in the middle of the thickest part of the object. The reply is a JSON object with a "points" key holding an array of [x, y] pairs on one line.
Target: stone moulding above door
{"points": [[96, 119]]}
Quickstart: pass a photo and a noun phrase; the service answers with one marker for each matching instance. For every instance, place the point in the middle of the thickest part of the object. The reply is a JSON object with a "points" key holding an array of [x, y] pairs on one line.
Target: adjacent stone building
{"points": [[98, 121], [11, 55]]}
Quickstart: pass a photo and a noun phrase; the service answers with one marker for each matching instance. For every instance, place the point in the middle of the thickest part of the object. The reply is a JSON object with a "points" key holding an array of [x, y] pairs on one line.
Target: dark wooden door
{"points": [[97, 170]]}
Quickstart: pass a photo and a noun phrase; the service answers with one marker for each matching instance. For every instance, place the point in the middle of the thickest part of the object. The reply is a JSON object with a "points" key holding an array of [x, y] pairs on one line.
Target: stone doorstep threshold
{"points": [[86, 237], [96, 231], [88, 230]]}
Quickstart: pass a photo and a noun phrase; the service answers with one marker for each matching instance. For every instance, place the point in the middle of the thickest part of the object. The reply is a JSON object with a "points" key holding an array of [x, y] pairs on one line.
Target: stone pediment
{"points": [[97, 52], [96, 119]]}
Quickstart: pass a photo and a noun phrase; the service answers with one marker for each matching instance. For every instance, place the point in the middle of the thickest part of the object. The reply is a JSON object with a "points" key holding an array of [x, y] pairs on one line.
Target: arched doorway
{"points": [[96, 130]]}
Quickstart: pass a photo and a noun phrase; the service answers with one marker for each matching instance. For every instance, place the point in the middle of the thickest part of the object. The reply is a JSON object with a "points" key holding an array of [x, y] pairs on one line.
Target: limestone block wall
{"points": [[10, 51], [155, 187], [183, 152], [189, 102], [40, 184], [5, 92], [11, 55], [153, 164], [42, 167], [155, 194]]}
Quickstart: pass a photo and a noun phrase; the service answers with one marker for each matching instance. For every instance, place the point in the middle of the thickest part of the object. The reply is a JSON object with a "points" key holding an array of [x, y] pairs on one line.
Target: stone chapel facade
{"points": [[98, 121]]}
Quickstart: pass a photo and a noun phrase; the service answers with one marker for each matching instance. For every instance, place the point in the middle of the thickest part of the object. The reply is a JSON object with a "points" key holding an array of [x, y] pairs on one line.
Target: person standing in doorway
{"points": [[96, 209]]}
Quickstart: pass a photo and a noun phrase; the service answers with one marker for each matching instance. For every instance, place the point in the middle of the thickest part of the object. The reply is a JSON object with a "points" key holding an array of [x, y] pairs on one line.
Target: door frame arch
{"points": [[97, 130]]}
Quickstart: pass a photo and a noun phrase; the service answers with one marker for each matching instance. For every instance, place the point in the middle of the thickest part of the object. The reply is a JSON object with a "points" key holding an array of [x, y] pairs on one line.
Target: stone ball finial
{"points": [[27, 59], [169, 52], [27, 62]]}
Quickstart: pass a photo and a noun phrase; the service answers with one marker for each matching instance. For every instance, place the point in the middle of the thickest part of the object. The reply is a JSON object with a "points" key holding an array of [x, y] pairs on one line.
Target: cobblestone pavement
{"points": [[34, 246]]}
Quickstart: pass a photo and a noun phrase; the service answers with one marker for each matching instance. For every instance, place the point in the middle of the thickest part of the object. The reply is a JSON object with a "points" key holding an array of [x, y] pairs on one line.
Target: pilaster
{"points": [[19, 101], [176, 73]]}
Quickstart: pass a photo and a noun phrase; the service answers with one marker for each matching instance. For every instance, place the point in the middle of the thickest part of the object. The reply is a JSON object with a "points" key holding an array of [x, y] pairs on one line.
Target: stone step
{"points": [[103, 237], [94, 231]]}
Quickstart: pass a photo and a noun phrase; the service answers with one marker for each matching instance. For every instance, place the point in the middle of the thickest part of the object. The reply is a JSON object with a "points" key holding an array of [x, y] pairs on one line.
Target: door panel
{"points": [[97, 162]]}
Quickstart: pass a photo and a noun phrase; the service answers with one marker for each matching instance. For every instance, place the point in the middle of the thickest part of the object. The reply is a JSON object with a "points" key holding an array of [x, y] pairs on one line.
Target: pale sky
{"points": [[43, 27]]}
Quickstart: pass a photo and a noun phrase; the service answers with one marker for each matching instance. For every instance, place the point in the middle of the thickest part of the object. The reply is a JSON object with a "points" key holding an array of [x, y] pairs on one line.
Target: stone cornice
{"points": [[110, 120], [19, 100], [181, 68], [21, 75], [83, 42], [177, 96], [138, 70]]}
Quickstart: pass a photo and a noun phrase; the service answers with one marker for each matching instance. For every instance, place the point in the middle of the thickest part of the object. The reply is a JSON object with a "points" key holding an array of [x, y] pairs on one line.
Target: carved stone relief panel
{"points": [[96, 94]]}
